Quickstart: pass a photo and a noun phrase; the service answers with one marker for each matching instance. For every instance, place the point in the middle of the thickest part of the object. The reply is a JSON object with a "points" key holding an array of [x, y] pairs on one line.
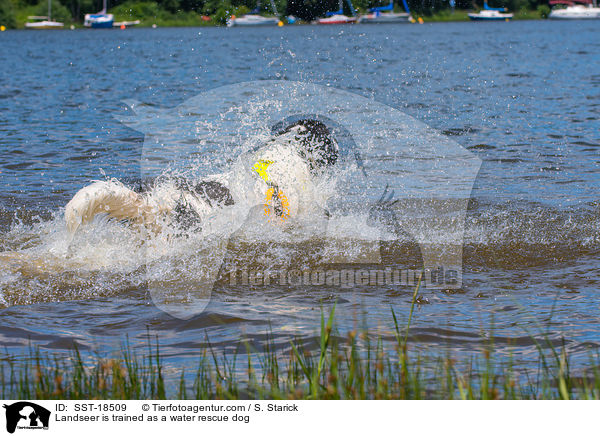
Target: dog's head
{"points": [[316, 144]]}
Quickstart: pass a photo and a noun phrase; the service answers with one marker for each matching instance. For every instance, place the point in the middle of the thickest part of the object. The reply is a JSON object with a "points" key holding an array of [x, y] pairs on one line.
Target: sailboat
{"points": [[491, 14], [254, 19], [575, 11], [101, 20], [386, 14], [338, 17], [44, 22]]}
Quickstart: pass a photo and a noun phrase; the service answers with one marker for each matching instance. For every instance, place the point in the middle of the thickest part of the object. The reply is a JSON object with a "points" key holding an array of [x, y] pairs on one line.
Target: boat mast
{"points": [[103, 11], [49, 10]]}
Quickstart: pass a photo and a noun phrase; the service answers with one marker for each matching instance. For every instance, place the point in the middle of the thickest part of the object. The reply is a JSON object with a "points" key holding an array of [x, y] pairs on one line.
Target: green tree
{"points": [[7, 14], [308, 10], [59, 12]]}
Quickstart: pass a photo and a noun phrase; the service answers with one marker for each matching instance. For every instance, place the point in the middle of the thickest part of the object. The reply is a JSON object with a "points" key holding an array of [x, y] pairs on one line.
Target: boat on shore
{"points": [[338, 17], [386, 15], [43, 23], [574, 10], [491, 14], [100, 20], [254, 19]]}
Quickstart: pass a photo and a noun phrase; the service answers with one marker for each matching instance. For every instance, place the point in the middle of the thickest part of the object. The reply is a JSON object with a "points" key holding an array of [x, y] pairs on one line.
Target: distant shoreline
{"points": [[192, 19]]}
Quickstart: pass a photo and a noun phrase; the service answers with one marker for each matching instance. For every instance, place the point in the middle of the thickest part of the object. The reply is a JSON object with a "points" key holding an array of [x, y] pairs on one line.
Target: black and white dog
{"points": [[281, 176]]}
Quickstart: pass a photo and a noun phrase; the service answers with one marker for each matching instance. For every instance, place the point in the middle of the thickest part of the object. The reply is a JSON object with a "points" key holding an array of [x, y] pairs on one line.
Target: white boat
{"points": [[491, 14], [43, 23], [122, 24], [386, 14], [338, 17], [254, 19], [101, 20], [39, 23], [585, 11], [390, 17]]}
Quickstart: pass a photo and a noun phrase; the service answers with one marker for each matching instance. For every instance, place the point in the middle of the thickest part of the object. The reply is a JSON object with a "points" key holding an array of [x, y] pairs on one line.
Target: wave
{"points": [[41, 261]]}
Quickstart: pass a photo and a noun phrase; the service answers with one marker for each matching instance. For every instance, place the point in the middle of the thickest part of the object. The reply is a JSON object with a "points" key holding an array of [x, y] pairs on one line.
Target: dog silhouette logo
{"points": [[26, 415]]}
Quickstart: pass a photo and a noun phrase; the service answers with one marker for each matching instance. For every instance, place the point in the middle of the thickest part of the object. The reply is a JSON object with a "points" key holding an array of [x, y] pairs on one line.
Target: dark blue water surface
{"points": [[524, 97]]}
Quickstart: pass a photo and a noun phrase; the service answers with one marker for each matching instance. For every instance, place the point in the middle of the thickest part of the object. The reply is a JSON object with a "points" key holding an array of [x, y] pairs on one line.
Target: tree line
{"points": [[304, 9]]}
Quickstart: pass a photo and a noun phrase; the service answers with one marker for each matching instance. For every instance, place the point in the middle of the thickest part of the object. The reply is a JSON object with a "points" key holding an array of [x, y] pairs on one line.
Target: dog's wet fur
{"points": [[316, 146], [319, 149]]}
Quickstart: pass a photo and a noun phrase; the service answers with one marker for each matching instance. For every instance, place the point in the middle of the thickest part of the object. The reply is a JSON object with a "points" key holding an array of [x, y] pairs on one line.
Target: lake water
{"points": [[522, 97]]}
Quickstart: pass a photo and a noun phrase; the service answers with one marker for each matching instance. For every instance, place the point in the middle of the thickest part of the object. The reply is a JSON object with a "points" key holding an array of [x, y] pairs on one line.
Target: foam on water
{"points": [[43, 262]]}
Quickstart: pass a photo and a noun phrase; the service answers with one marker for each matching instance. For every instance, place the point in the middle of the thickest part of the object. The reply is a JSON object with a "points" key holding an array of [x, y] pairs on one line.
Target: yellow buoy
{"points": [[280, 24], [2, 28], [421, 20]]}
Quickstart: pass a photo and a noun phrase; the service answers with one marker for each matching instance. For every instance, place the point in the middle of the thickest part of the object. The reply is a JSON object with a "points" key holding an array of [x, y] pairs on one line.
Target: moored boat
{"points": [[254, 19], [39, 23], [123, 24], [101, 20], [585, 10], [338, 17], [491, 14], [386, 14]]}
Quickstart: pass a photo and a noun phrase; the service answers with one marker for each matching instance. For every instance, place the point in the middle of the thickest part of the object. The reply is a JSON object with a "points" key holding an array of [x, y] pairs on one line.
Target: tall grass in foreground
{"points": [[336, 369], [355, 367]]}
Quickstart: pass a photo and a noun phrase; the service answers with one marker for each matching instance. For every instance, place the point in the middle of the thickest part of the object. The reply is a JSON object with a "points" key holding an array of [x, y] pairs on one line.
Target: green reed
{"points": [[354, 367]]}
